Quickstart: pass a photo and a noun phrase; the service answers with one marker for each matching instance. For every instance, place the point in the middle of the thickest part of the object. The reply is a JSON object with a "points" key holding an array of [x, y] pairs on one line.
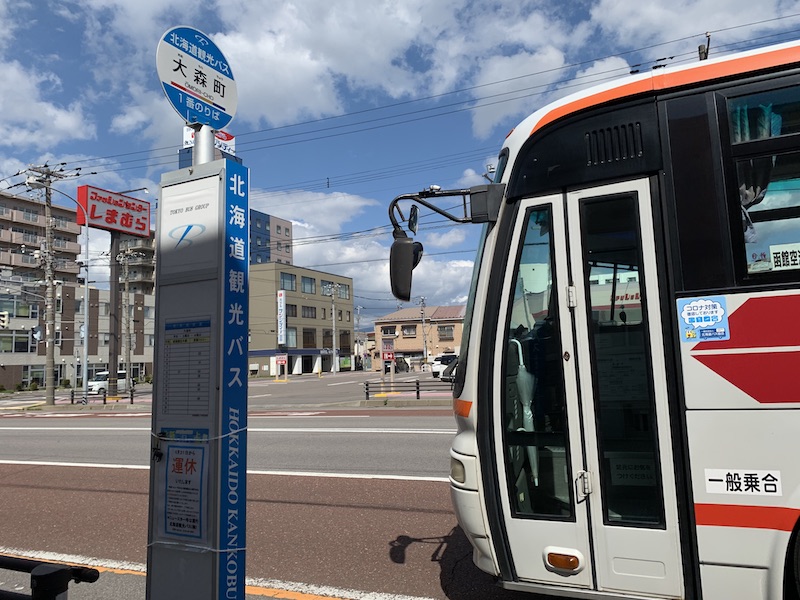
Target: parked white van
{"points": [[99, 383]]}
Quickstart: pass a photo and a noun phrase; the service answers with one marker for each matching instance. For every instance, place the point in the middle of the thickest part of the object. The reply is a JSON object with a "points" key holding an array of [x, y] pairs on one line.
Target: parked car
{"points": [[99, 384], [440, 363]]}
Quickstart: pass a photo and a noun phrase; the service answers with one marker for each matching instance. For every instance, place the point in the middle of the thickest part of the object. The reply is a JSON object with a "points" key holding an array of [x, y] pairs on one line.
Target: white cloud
{"points": [[30, 121], [448, 239]]}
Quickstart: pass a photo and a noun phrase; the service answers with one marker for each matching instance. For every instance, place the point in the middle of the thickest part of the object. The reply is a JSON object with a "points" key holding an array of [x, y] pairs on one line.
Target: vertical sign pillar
{"points": [[198, 493]]}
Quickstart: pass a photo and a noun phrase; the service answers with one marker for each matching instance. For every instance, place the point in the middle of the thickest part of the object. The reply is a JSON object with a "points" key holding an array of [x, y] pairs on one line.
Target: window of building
{"points": [[258, 223], [344, 291], [309, 312], [278, 246], [289, 282], [348, 316], [309, 285], [258, 258], [326, 287], [105, 339], [309, 338], [288, 248], [278, 229], [409, 331], [291, 337], [446, 332], [30, 215], [339, 314], [286, 231], [291, 310], [389, 331], [258, 241], [327, 338], [323, 317]]}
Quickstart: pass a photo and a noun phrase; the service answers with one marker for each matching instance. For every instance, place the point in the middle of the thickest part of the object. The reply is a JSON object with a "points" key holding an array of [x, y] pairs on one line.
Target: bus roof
{"points": [[654, 81]]}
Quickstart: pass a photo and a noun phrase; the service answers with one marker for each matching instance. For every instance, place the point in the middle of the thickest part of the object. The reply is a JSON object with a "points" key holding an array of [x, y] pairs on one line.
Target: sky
{"points": [[341, 105]]}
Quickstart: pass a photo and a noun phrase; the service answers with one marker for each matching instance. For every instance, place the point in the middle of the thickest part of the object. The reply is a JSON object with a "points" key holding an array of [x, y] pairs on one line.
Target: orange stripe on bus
{"points": [[754, 517], [461, 407], [673, 79]]}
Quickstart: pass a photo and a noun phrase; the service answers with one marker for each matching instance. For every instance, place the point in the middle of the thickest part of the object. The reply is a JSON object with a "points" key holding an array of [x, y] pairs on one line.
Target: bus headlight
{"points": [[457, 471]]}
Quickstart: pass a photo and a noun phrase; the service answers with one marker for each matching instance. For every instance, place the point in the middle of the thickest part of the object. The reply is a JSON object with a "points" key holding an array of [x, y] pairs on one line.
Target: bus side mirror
{"points": [[403, 257]]}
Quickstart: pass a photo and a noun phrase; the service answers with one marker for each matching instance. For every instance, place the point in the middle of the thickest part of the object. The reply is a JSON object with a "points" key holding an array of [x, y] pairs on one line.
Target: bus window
{"points": [[624, 405], [767, 179], [769, 189], [536, 450]]}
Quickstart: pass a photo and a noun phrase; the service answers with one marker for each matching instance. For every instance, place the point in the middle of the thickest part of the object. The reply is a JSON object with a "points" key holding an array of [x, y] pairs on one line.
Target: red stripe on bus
{"points": [[665, 80], [754, 517]]}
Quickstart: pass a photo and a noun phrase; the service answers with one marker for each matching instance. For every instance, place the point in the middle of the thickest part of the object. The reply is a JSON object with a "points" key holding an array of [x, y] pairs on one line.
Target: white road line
{"points": [[318, 474], [256, 430], [341, 383]]}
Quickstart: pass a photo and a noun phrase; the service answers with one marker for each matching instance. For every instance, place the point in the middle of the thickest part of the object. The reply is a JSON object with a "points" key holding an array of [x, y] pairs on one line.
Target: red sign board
{"points": [[109, 210], [388, 356], [760, 358], [281, 359]]}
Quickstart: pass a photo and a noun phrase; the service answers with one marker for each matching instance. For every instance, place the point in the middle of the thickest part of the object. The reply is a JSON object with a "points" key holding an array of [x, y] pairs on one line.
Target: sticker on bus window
{"points": [[703, 319]]}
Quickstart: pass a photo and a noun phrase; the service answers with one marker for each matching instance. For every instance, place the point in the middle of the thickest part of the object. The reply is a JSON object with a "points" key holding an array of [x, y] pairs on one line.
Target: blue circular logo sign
{"points": [[196, 77]]}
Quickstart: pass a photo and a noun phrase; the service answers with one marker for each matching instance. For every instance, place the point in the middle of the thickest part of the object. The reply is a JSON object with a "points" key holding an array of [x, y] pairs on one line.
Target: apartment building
{"points": [[319, 310], [419, 334]]}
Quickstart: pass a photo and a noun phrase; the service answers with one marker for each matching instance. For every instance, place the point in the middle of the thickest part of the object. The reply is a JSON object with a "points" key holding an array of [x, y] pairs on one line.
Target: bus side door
{"points": [[582, 425]]}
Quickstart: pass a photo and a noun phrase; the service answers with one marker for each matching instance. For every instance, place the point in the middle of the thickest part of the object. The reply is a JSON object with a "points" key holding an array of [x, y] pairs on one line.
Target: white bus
{"points": [[628, 414]]}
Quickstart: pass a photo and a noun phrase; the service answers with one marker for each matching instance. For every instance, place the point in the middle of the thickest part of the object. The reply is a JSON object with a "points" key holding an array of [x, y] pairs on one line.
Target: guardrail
{"points": [[49, 581], [416, 387], [103, 394]]}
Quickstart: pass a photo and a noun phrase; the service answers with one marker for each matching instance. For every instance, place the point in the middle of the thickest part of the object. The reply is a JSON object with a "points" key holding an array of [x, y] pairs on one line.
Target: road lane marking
{"points": [[270, 588], [341, 383], [378, 430], [319, 474]]}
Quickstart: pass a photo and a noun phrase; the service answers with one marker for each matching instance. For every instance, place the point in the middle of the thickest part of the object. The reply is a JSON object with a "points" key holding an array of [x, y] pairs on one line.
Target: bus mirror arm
{"points": [[405, 253]]}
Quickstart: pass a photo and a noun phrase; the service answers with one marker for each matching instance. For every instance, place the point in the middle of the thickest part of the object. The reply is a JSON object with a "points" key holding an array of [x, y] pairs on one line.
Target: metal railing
{"points": [[416, 387], [49, 581]]}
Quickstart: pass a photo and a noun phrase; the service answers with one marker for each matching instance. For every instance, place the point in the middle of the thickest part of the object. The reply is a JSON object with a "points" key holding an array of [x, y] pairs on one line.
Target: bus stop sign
{"points": [[196, 77]]}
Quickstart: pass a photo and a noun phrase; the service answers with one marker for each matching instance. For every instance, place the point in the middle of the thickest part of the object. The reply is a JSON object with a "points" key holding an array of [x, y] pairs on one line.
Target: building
{"points": [[22, 235], [317, 304], [270, 239], [414, 333], [22, 343]]}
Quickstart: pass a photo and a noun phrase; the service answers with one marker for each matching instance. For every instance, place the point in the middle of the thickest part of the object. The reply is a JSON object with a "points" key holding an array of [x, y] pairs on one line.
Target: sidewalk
{"points": [[64, 400]]}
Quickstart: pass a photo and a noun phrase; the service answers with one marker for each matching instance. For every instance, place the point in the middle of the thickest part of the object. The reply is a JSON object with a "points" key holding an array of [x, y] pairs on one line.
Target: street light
{"points": [[37, 183]]}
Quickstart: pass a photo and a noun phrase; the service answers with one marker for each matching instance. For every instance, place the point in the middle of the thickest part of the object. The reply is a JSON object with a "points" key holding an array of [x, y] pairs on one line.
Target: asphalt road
{"points": [[374, 519]]}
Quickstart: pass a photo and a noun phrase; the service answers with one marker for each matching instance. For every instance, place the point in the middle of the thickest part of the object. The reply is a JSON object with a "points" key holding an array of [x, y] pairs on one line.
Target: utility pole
{"points": [[334, 288], [424, 335], [359, 340], [124, 259], [42, 177]]}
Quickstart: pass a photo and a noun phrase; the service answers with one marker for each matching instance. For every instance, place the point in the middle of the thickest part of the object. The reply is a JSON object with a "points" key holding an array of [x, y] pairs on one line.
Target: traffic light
{"points": [[3, 319]]}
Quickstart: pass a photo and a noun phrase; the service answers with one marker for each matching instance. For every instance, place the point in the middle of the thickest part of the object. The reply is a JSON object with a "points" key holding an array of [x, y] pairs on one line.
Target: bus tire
{"points": [[791, 577]]}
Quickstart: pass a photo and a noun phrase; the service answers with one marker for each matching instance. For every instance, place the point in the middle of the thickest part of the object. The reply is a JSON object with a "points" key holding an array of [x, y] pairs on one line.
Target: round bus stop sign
{"points": [[196, 77]]}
